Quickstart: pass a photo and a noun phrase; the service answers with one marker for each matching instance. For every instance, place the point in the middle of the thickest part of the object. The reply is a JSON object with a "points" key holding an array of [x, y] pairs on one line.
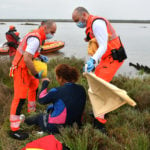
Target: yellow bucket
{"points": [[39, 66]]}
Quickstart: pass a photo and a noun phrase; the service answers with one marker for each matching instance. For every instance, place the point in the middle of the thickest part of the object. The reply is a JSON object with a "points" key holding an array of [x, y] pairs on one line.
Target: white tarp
{"points": [[104, 96]]}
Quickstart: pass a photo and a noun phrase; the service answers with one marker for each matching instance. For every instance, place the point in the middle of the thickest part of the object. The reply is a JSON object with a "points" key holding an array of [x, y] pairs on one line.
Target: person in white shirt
{"points": [[110, 53], [26, 84]]}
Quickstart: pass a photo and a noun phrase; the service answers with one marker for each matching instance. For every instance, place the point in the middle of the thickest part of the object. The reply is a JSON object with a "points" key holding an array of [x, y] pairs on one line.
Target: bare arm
{"points": [[28, 61]]}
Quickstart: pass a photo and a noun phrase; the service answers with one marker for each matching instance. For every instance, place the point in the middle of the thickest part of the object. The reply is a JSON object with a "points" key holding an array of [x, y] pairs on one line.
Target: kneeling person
{"points": [[68, 101]]}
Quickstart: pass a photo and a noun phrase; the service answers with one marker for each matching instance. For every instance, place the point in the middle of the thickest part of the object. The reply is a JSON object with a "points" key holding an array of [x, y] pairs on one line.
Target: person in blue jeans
{"points": [[67, 102]]}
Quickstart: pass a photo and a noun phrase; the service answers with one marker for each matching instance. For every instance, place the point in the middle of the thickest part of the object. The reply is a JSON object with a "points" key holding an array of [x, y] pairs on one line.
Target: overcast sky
{"points": [[62, 9]]}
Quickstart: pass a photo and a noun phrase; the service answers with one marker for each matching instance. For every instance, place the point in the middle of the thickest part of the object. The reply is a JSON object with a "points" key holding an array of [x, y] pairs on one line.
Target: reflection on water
{"points": [[135, 37]]}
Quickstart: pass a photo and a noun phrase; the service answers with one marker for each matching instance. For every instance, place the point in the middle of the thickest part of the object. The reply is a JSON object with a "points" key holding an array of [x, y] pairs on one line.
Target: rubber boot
{"points": [[19, 135], [100, 126]]}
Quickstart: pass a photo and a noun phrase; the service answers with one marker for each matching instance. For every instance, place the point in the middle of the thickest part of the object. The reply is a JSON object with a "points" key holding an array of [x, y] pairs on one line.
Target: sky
{"points": [[62, 9]]}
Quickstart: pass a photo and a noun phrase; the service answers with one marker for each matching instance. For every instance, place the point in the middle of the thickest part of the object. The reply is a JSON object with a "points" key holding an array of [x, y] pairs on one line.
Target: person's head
{"points": [[12, 28], [66, 73], [49, 28], [80, 16]]}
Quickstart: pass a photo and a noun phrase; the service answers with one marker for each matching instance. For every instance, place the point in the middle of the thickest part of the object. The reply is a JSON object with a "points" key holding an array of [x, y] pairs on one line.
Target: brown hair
{"points": [[67, 72]]}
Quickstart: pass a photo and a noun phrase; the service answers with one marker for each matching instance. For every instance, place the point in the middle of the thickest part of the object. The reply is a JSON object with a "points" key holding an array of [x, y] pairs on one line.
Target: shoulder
{"points": [[98, 23], [80, 87], [32, 40]]}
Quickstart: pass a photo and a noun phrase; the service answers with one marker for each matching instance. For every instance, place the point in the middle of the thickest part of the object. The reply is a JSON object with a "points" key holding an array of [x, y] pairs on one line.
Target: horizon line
{"points": [[70, 20]]}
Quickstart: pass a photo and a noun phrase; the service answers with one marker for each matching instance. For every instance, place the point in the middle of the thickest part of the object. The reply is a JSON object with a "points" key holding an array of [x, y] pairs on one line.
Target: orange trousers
{"points": [[107, 68], [24, 85]]}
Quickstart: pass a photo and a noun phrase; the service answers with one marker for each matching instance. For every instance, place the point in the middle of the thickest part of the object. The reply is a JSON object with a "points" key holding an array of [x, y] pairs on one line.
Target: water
{"points": [[135, 37]]}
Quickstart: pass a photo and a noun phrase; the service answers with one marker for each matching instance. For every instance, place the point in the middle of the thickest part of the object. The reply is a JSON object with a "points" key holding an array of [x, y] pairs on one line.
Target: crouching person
{"points": [[67, 101]]}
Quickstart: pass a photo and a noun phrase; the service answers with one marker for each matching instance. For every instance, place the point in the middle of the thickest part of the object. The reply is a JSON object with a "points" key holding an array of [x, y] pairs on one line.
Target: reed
{"points": [[127, 128]]}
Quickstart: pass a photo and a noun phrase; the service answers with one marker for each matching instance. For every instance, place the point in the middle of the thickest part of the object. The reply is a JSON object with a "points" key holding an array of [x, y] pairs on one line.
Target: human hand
{"points": [[45, 79], [90, 65], [43, 58], [39, 75], [85, 39]]}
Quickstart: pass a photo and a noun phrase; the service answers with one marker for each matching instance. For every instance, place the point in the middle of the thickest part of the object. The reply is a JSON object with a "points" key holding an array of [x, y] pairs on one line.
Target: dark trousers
{"points": [[41, 120]]}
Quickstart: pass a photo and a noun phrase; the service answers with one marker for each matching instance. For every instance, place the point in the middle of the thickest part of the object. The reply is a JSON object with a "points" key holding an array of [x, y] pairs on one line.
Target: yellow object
{"points": [[104, 96], [92, 46], [39, 66]]}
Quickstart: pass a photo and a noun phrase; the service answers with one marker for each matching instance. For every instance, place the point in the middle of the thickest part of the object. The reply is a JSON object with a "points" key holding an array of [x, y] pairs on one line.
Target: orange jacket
{"points": [[18, 61], [113, 39]]}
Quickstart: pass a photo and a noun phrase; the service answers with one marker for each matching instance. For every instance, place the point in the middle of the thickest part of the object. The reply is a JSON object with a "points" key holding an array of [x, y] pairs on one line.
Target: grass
{"points": [[128, 128]]}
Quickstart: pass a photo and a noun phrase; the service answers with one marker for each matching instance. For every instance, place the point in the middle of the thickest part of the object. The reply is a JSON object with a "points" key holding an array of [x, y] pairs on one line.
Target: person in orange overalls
{"points": [[13, 38], [25, 83], [110, 54]]}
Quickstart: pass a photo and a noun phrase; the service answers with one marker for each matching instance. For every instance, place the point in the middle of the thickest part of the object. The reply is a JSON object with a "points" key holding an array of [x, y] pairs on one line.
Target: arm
{"points": [[32, 47], [100, 32], [46, 97], [28, 61]]}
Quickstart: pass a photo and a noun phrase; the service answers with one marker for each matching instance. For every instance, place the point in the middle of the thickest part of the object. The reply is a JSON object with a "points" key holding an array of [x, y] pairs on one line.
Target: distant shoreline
{"points": [[69, 20]]}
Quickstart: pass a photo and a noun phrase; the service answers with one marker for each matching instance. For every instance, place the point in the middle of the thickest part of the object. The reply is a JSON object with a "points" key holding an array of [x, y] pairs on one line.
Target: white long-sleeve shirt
{"points": [[100, 32], [32, 45]]}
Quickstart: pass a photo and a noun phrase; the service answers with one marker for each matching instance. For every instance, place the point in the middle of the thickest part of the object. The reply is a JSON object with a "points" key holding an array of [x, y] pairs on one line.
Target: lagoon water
{"points": [[135, 37]]}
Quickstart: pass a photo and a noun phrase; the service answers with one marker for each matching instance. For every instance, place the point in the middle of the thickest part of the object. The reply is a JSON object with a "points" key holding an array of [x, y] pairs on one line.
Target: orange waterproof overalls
{"points": [[107, 67], [12, 41], [24, 83]]}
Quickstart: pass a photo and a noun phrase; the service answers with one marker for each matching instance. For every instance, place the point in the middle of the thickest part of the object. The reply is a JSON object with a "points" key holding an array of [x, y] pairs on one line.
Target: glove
{"points": [[50, 107], [39, 75], [90, 65], [43, 58]]}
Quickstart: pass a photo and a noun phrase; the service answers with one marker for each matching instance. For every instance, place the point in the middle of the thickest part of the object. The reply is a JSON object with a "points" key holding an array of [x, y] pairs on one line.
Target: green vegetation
{"points": [[128, 128]]}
